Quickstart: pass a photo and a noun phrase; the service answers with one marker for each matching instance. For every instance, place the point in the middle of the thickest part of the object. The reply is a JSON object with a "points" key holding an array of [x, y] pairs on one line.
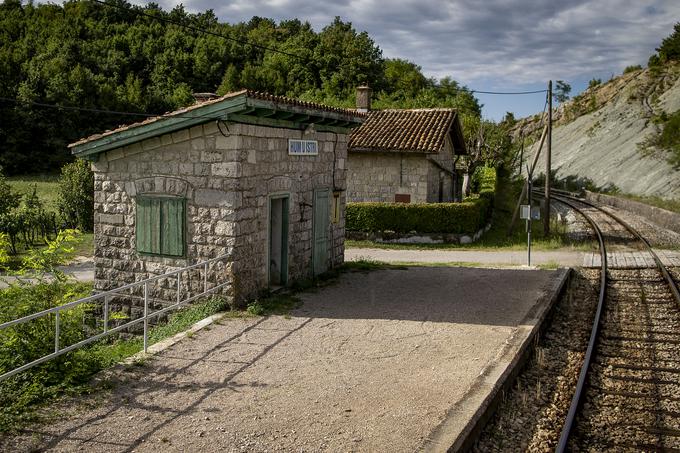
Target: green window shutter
{"points": [[147, 225], [172, 227]]}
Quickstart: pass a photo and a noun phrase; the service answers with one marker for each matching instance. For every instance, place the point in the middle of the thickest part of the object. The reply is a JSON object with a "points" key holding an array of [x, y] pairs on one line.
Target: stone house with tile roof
{"points": [[409, 156], [257, 178]]}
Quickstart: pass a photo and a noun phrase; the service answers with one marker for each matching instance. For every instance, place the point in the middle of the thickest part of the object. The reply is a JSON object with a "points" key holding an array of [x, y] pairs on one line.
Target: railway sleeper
{"points": [[636, 393], [621, 349], [657, 387], [649, 358], [637, 366], [616, 379], [627, 405], [639, 440], [627, 339]]}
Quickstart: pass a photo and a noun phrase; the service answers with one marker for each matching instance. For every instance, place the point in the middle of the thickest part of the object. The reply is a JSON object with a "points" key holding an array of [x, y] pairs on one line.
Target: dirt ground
{"points": [[371, 363]]}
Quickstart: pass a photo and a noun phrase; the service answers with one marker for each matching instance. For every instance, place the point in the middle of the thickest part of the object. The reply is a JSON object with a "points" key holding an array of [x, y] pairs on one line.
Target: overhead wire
{"points": [[103, 111]]}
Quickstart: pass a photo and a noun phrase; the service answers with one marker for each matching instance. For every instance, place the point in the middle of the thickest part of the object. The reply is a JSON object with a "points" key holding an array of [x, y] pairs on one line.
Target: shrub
{"points": [[457, 218], [594, 82], [632, 68], [23, 343], [4, 250], [76, 195], [9, 199], [465, 217]]}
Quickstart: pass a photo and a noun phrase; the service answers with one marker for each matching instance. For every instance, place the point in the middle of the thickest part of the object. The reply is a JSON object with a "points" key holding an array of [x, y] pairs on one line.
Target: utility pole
{"points": [[546, 208]]}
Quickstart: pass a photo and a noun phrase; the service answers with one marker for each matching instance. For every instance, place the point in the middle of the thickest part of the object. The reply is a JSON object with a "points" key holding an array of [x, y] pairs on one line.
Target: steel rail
{"points": [[577, 398], [659, 264]]}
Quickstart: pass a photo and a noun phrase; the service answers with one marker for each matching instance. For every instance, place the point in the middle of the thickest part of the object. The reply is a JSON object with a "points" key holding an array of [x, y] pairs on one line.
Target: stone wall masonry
{"points": [[666, 219], [379, 176], [227, 182]]}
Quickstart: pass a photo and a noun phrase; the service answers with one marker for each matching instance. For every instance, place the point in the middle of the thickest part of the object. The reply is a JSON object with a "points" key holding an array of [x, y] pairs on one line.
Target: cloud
{"points": [[494, 42]]}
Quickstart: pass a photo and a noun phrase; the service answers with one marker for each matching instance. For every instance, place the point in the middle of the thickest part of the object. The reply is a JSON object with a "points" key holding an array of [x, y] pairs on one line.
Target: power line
{"points": [[199, 30], [109, 112], [508, 92]]}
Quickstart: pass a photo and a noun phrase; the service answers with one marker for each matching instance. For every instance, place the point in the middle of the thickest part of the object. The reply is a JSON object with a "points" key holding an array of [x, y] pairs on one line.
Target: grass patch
{"points": [[365, 265], [24, 394], [274, 304], [550, 265], [83, 248], [86, 246], [443, 264], [47, 188], [496, 238]]}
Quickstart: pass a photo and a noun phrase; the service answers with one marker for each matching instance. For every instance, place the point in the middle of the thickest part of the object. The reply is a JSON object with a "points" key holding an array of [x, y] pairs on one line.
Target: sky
{"points": [[488, 45]]}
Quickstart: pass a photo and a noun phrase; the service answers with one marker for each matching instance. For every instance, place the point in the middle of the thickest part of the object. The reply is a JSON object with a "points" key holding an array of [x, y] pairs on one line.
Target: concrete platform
{"points": [[632, 260], [392, 360]]}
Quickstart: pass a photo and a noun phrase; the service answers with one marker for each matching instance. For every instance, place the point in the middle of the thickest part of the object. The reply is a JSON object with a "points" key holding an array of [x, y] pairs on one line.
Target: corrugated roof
{"points": [[417, 130], [279, 100]]}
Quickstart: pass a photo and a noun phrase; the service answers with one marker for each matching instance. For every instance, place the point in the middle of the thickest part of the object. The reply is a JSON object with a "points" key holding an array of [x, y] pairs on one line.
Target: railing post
{"points": [[106, 313], [57, 318], [205, 277], [146, 315], [179, 298]]}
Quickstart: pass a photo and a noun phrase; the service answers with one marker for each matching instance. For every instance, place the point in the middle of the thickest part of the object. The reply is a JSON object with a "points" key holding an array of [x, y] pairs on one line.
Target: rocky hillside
{"points": [[597, 135]]}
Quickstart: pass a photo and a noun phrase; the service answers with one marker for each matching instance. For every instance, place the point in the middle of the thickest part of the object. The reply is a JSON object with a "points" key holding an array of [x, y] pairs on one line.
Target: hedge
{"points": [[468, 216]]}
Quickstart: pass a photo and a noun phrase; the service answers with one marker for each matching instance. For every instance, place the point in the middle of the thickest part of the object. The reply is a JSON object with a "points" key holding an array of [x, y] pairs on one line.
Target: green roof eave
{"points": [[238, 109], [161, 126]]}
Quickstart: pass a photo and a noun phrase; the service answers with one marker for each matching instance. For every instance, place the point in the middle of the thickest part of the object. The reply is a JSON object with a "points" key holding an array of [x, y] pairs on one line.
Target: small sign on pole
{"points": [[525, 212], [535, 213]]}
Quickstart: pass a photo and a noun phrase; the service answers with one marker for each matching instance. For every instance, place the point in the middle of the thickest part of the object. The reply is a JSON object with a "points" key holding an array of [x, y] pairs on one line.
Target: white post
{"points": [[106, 313], [205, 277], [178, 288], [146, 314], [56, 331]]}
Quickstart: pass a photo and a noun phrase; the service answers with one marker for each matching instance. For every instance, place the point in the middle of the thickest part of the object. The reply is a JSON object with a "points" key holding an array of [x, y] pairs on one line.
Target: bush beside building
{"points": [[467, 217]]}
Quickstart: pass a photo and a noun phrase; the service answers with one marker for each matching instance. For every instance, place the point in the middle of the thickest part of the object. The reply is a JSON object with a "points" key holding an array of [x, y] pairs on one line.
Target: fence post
{"points": [[178, 288], [56, 331], [146, 315], [106, 313], [205, 277]]}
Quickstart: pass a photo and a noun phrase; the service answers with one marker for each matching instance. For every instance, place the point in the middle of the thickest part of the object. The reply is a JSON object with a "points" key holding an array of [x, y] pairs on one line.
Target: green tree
{"points": [[594, 82], [76, 195], [561, 91], [670, 46]]}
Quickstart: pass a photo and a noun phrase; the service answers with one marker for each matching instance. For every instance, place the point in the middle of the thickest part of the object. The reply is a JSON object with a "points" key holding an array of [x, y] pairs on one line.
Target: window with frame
{"points": [[160, 225]]}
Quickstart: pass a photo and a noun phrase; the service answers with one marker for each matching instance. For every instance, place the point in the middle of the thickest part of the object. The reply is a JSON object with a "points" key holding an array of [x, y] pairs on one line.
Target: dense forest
{"points": [[129, 58]]}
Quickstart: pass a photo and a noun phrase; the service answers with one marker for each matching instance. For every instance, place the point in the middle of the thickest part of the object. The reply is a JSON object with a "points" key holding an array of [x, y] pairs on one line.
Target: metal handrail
{"points": [[58, 350]]}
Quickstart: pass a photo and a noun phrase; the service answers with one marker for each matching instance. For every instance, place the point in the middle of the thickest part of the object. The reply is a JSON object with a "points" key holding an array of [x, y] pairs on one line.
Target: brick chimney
{"points": [[363, 99]]}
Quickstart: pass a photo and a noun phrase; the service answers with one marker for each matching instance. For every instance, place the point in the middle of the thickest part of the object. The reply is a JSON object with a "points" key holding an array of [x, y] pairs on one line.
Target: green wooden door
{"points": [[320, 233]]}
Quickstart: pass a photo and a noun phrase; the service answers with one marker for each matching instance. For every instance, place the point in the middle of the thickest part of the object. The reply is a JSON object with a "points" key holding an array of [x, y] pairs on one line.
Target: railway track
{"points": [[628, 392]]}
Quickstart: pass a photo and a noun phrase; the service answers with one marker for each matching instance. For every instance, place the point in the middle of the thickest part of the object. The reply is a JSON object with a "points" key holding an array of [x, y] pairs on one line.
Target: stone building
{"points": [[405, 156], [255, 177]]}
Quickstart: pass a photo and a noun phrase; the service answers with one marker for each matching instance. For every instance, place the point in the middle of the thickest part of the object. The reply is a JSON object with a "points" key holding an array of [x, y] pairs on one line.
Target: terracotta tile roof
{"points": [[418, 130], [279, 100]]}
